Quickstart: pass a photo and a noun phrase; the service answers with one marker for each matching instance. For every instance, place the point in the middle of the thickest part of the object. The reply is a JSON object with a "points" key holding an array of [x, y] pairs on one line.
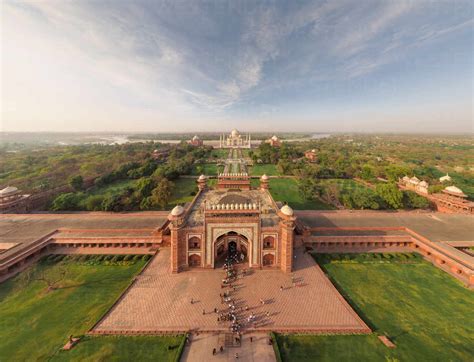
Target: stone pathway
{"points": [[201, 346], [160, 301]]}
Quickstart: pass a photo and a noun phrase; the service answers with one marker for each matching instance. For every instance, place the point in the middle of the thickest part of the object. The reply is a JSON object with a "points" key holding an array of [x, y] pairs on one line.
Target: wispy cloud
{"points": [[185, 60]]}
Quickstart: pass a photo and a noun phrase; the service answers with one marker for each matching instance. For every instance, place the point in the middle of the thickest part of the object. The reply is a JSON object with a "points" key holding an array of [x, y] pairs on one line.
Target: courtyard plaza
{"points": [[201, 346], [159, 301]]}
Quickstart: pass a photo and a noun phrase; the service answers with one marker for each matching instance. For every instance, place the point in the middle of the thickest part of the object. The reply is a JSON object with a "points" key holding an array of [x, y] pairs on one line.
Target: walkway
{"points": [[201, 346], [161, 302]]}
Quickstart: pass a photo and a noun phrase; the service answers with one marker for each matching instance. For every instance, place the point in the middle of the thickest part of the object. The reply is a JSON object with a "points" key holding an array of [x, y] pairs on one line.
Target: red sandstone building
{"points": [[196, 141], [231, 217], [311, 155], [453, 200], [274, 141], [12, 201]]}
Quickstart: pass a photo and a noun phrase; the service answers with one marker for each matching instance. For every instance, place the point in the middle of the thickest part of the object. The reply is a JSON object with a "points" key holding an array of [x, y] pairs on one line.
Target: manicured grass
{"points": [[183, 190], [423, 310], [36, 323], [286, 190], [123, 348], [208, 169], [219, 153], [260, 169]]}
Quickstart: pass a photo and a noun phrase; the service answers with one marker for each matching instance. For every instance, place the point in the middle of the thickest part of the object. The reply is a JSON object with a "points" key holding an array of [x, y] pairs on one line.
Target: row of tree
{"points": [[385, 196]]}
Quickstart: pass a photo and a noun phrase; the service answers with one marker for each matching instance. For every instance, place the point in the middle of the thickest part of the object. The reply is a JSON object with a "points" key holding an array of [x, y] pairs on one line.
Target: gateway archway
{"points": [[231, 245]]}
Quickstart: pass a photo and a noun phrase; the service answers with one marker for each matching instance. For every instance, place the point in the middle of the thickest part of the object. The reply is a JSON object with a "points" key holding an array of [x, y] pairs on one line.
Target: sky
{"points": [[180, 66]]}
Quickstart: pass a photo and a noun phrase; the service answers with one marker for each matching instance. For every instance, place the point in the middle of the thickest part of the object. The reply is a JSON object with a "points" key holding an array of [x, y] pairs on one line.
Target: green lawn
{"points": [[286, 190], [123, 348], [426, 312], [182, 193], [219, 153], [36, 323], [260, 169], [209, 169]]}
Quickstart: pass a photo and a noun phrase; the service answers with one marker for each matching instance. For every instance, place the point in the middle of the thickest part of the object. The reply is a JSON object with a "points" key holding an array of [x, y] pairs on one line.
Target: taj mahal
{"points": [[235, 139]]}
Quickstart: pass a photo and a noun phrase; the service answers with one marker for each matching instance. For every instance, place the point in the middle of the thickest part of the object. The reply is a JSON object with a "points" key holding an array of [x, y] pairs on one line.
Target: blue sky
{"points": [[324, 66]]}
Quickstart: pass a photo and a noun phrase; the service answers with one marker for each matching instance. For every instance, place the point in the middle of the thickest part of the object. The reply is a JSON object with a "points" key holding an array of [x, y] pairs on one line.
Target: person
{"points": [[221, 349], [203, 312], [267, 314], [236, 355], [214, 352], [281, 288], [251, 339], [262, 301], [215, 310], [192, 300]]}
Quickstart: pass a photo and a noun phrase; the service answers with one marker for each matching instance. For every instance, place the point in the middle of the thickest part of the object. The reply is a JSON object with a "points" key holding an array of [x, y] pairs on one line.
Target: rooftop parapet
{"points": [[229, 207]]}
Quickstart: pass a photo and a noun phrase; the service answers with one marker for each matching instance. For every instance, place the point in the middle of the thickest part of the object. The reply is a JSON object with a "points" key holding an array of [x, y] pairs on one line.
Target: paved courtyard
{"points": [[160, 301], [201, 346]]}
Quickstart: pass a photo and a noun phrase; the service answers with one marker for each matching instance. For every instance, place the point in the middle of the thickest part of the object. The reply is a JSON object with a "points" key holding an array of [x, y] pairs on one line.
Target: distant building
{"points": [[311, 155], [12, 201], [453, 199], [196, 141], [235, 139], [160, 155], [414, 184], [446, 178], [274, 141]]}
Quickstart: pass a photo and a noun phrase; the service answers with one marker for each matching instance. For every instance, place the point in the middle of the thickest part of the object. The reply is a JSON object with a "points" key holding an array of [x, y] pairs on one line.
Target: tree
{"points": [[76, 182], [161, 194], [412, 200], [367, 172], [112, 203], [331, 194], [145, 186], [309, 188], [67, 201], [284, 166], [394, 172], [390, 194], [94, 202], [360, 198]]}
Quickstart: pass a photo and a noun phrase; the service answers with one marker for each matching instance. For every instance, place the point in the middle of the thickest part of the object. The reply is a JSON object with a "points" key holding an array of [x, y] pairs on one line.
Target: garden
{"points": [[66, 295], [397, 295]]}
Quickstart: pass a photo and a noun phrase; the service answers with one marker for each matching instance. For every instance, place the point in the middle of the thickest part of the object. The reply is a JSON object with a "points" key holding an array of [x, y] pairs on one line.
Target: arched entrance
{"points": [[231, 245]]}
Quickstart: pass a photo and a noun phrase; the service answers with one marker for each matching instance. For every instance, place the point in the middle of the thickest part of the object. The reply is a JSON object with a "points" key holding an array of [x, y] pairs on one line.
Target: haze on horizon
{"points": [[175, 66]]}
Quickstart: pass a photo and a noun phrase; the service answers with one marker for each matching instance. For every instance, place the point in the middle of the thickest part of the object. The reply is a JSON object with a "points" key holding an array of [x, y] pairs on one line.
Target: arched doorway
{"points": [[231, 245], [194, 260]]}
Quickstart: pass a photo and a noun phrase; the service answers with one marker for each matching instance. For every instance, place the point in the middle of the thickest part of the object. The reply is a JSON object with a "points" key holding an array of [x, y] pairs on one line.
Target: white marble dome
{"points": [[234, 133], [286, 210], [177, 210]]}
